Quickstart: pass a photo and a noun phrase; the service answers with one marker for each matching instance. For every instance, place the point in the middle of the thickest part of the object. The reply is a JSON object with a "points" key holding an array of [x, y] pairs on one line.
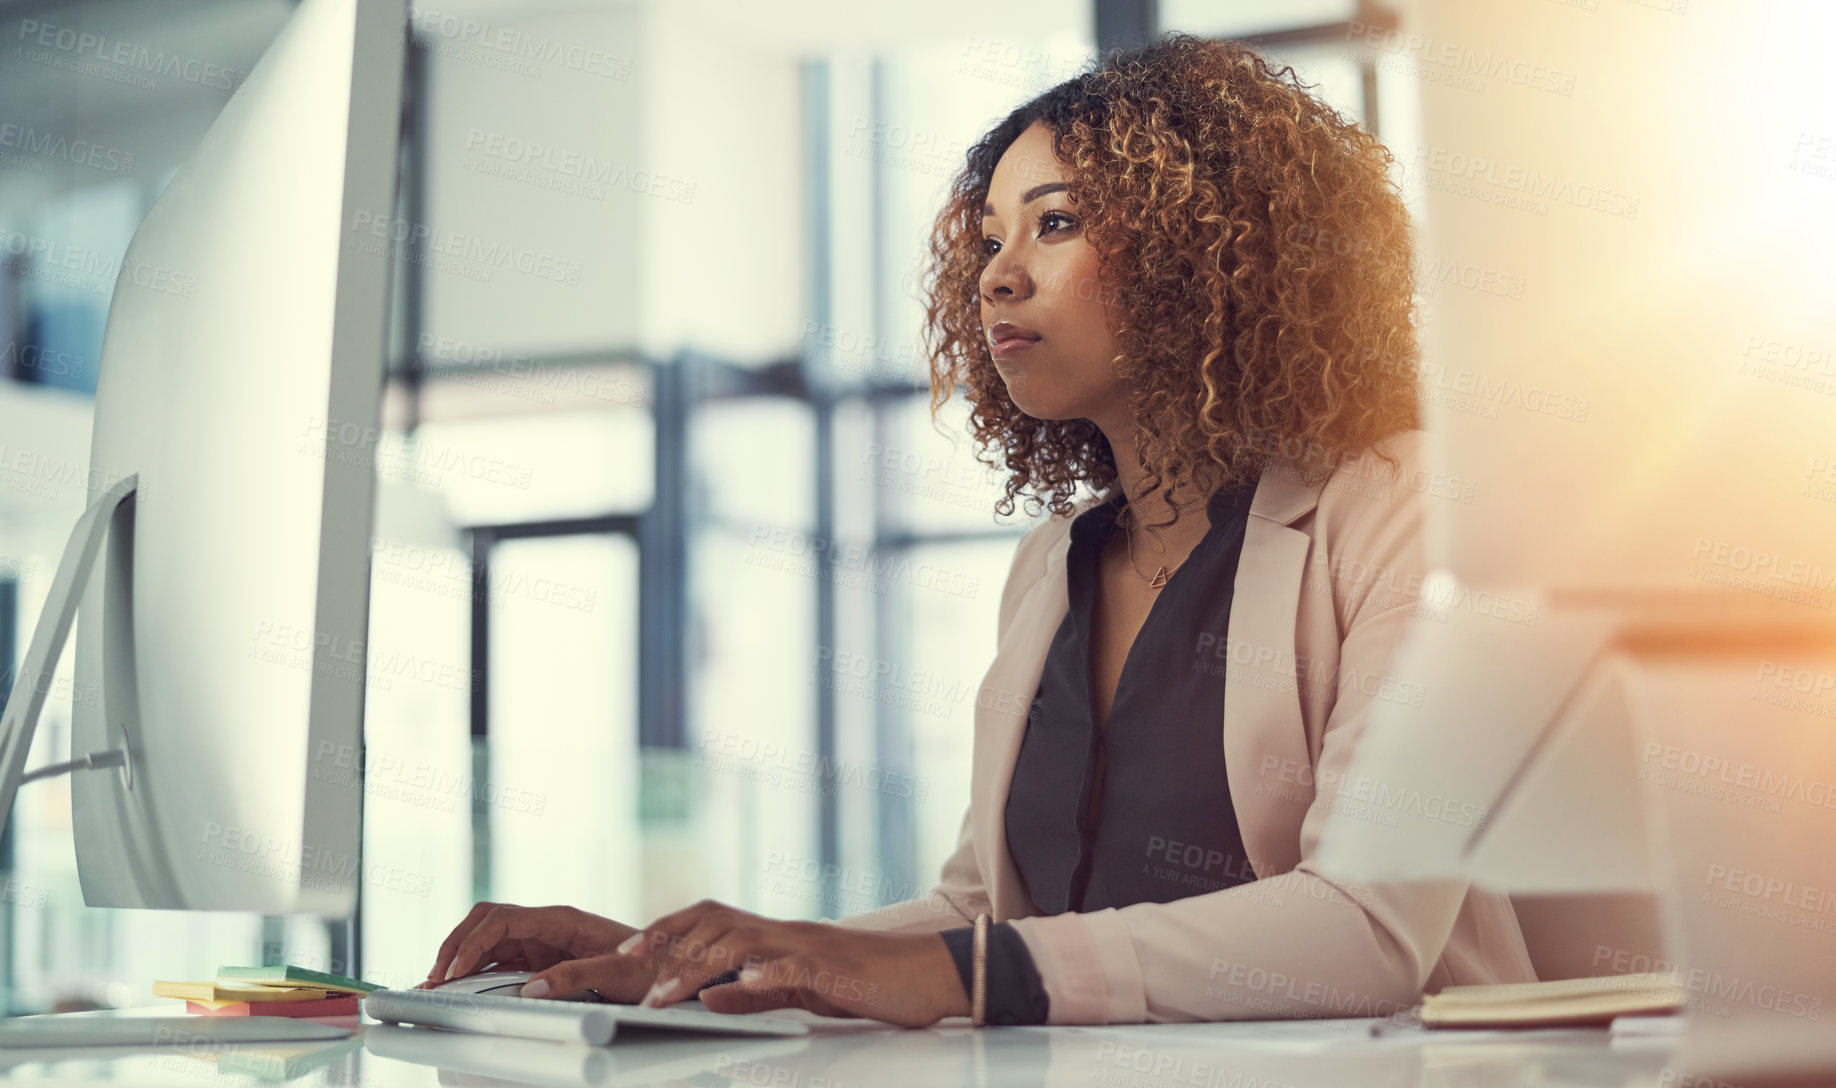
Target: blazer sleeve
{"points": [[961, 891], [1294, 944]]}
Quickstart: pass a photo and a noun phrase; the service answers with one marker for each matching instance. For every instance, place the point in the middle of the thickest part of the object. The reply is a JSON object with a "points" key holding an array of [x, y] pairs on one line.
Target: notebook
{"points": [[227, 992], [284, 974], [1558, 1003]]}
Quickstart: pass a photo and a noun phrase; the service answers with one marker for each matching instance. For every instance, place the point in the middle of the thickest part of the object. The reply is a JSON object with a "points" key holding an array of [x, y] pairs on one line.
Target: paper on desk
{"points": [[1648, 1025]]}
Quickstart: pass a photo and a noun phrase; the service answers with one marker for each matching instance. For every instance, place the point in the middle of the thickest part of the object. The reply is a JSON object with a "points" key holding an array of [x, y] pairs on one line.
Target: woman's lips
{"points": [[1012, 345]]}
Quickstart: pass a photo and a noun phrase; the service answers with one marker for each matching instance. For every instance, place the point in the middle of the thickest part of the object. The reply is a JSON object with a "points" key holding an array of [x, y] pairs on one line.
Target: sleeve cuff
{"points": [[1015, 993], [1088, 965]]}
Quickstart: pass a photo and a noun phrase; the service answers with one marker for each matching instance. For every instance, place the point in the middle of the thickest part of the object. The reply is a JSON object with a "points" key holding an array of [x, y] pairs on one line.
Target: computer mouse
{"points": [[504, 984]]}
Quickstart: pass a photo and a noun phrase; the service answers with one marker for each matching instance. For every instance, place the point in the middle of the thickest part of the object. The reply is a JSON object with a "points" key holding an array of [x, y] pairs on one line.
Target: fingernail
{"points": [[660, 991], [750, 975], [632, 941], [449, 971], [535, 987]]}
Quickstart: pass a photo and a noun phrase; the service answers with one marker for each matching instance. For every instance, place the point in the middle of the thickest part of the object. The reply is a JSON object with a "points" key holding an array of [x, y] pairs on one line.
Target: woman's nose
{"points": [[1006, 278]]}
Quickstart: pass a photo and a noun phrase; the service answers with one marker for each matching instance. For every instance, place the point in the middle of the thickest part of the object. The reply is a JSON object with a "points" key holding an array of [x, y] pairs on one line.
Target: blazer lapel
{"points": [[1263, 728], [1000, 721]]}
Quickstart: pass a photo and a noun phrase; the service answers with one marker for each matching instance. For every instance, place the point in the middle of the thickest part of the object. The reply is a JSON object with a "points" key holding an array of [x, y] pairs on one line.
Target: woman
{"points": [[1181, 280]]}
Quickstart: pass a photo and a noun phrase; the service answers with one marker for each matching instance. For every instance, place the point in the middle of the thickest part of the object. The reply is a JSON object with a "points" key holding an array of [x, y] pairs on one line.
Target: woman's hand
{"points": [[569, 949], [905, 979]]}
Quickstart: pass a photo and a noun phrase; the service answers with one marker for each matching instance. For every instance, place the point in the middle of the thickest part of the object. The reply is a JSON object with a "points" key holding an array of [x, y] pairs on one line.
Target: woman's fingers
{"points": [[676, 924], [735, 997], [758, 994], [617, 978], [451, 945], [503, 925], [721, 940]]}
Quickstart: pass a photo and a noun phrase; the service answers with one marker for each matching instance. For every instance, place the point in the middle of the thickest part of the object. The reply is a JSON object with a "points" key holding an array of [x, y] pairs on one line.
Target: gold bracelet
{"points": [[978, 1000]]}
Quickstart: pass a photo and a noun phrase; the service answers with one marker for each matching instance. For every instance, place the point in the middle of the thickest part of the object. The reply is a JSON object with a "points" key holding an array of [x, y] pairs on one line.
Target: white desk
{"points": [[864, 1054]]}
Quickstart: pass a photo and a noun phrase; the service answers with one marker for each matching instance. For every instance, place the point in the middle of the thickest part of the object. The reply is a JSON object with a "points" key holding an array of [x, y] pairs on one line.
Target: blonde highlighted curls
{"points": [[1256, 248]]}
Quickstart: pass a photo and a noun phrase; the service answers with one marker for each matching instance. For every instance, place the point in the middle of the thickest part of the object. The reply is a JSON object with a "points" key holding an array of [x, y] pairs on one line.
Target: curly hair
{"points": [[1258, 252]]}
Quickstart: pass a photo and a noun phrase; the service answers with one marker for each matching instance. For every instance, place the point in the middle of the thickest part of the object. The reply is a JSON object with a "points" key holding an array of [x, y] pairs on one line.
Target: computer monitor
{"points": [[222, 568], [1624, 662]]}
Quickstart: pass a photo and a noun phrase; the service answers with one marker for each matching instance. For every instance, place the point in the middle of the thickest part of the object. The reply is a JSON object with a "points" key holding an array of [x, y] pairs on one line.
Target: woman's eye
{"points": [[991, 246]]}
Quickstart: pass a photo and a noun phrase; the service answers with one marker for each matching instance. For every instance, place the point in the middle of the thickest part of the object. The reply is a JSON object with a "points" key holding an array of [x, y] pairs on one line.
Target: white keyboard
{"points": [[563, 1021]]}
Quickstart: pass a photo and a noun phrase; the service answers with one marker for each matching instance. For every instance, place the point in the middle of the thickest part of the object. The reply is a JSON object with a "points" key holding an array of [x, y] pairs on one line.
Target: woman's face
{"points": [[1042, 277]]}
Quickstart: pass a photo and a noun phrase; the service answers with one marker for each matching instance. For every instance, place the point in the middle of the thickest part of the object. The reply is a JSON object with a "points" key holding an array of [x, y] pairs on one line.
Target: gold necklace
{"points": [[1161, 574]]}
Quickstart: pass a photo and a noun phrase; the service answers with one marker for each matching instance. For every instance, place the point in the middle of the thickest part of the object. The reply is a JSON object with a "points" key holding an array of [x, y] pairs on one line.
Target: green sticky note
{"points": [[285, 974]]}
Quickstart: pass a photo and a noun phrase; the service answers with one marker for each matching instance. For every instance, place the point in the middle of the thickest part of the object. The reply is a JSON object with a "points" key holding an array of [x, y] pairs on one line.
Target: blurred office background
{"points": [[677, 590]]}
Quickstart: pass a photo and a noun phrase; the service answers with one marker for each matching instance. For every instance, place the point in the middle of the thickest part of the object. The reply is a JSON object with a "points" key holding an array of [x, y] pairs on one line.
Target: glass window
{"points": [[926, 473], [418, 783], [752, 707], [530, 467], [562, 789], [753, 464], [939, 647]]}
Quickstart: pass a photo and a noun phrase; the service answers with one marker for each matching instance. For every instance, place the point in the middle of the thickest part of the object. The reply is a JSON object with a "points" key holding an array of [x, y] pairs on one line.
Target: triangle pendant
{"points": [[1159, 579]]}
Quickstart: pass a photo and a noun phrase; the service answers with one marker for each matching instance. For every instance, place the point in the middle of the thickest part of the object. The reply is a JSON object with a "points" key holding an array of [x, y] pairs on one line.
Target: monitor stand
{"points": [[33, 684], [1714, 744]]}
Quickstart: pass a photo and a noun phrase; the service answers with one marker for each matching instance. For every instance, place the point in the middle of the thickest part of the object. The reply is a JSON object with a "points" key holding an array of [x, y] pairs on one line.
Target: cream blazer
{"points": [[1325, 591]]}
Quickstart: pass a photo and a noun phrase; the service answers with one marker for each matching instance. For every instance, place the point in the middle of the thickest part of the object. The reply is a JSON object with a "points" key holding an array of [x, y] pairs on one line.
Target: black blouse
{"points": [[1166, 828]]}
